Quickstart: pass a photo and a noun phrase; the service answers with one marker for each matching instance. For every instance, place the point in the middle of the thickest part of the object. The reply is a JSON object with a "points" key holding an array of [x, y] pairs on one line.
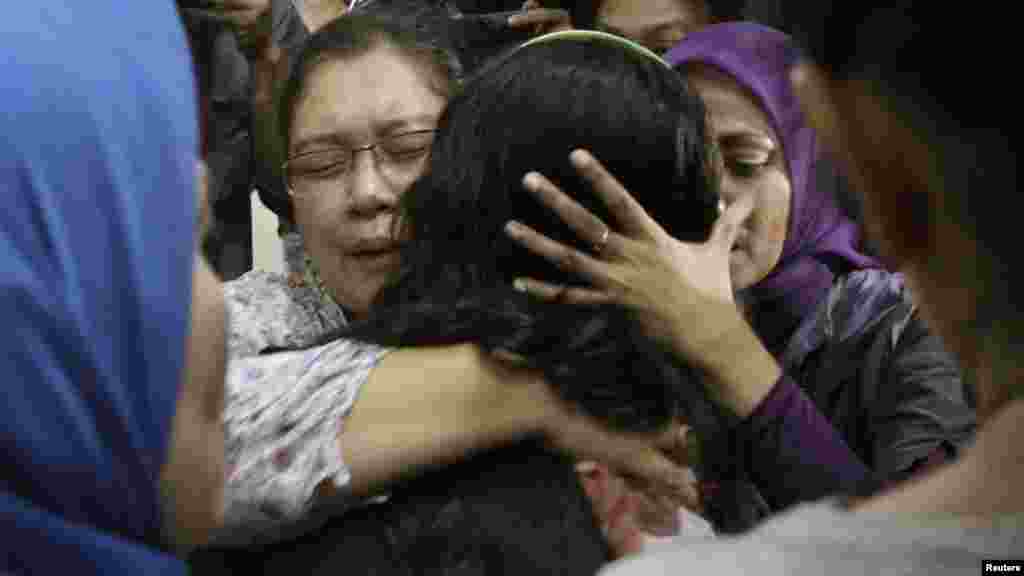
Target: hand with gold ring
{"points": [[681, 292]]}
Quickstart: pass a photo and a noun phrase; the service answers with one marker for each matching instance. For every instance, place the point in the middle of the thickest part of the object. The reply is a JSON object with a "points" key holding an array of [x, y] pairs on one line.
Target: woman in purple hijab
{"points": [[798, 240], [844, 329], [862, 388]]}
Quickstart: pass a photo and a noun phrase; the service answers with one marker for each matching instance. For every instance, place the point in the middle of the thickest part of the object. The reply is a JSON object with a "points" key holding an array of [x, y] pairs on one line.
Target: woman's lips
{"points": [[369, 254], [374, 253], [378, 244]]}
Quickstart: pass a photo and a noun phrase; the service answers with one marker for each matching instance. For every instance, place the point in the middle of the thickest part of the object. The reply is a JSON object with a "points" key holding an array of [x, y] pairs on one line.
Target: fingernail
{"points": [[531, 181], [513, 228], [579, 158], [513, 20]]}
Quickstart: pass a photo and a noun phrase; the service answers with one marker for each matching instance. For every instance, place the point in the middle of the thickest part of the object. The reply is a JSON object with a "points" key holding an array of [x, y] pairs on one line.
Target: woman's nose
{"points": [[370, 192]]}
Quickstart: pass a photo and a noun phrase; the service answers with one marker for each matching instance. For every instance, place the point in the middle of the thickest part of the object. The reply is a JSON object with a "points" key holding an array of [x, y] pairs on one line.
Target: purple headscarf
{"points": [[820, 240]]}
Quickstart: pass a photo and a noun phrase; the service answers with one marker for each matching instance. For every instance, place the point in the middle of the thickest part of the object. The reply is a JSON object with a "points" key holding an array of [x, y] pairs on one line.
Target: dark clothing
{"points": [[479, 6], [230, 157], [869, 391], [514, 510], [225, 93]]}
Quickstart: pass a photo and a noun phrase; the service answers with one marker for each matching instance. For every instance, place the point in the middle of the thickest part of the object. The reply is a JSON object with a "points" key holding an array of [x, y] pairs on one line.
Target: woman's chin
{"points": [[361, 289]]}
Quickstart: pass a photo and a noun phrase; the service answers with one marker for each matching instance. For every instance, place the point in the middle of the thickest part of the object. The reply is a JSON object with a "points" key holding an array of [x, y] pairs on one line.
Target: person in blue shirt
{"points": [[111, 412]]}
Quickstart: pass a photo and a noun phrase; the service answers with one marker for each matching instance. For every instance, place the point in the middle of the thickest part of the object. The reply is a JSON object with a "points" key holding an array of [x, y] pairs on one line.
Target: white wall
{"points": [[267, 250]]}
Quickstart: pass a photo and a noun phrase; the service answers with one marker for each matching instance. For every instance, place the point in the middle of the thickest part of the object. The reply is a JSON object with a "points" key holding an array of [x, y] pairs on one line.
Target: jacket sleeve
{"points": [[921, 408], [793, 453]]}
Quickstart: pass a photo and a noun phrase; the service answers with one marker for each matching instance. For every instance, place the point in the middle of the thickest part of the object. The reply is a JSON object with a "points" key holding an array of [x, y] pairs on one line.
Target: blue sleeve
{"points": [[97, 161]]}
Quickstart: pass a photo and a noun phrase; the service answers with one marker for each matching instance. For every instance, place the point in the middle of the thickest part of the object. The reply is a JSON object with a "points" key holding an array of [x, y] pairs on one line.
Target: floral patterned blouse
{"points": [[285, 411], [269, 310]]}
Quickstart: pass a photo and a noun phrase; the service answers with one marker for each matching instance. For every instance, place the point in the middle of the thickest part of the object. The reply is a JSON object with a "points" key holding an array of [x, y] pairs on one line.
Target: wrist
{"points": [[519, 394], [739, 370]]}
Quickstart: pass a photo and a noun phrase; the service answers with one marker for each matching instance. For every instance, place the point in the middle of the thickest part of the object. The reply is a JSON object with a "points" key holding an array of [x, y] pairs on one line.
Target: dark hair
{"points": [[909, 62], [521, 509], [422, 34], [528, 112]]}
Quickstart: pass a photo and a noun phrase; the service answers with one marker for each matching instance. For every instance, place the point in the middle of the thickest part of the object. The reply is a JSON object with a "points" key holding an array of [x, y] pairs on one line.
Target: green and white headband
{"points": [[596, 35]]}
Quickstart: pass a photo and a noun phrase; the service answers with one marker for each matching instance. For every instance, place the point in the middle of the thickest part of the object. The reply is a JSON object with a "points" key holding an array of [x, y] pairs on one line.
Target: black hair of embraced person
{"points": [[520, 509]]}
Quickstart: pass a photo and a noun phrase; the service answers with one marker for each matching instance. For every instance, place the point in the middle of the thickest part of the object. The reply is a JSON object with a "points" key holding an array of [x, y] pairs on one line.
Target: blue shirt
{"points": [[97, 164]]}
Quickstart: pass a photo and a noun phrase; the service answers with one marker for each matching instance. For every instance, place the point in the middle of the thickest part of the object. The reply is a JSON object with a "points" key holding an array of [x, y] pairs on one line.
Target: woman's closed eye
{"points": [[322, 164], [408, 147], [748, 163], [407, 153]]}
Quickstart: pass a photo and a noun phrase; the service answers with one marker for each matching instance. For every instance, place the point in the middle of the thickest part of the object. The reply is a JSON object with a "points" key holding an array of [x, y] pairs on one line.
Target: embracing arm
{"points": [[347, 419], [432, 406], [425, 407]]}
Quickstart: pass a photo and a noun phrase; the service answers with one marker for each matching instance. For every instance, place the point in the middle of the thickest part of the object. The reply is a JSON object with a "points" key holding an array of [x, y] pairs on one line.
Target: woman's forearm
{"points": [[739, 370], [433, 406], [348, 418]]}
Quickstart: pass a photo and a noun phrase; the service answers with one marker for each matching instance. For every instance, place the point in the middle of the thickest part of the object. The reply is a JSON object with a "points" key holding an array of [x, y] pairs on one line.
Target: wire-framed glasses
{"points": [[396, 156]]}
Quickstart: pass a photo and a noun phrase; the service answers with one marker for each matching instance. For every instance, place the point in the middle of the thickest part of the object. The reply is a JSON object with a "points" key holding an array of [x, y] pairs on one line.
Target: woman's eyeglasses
{"points": [[396, 155]]}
